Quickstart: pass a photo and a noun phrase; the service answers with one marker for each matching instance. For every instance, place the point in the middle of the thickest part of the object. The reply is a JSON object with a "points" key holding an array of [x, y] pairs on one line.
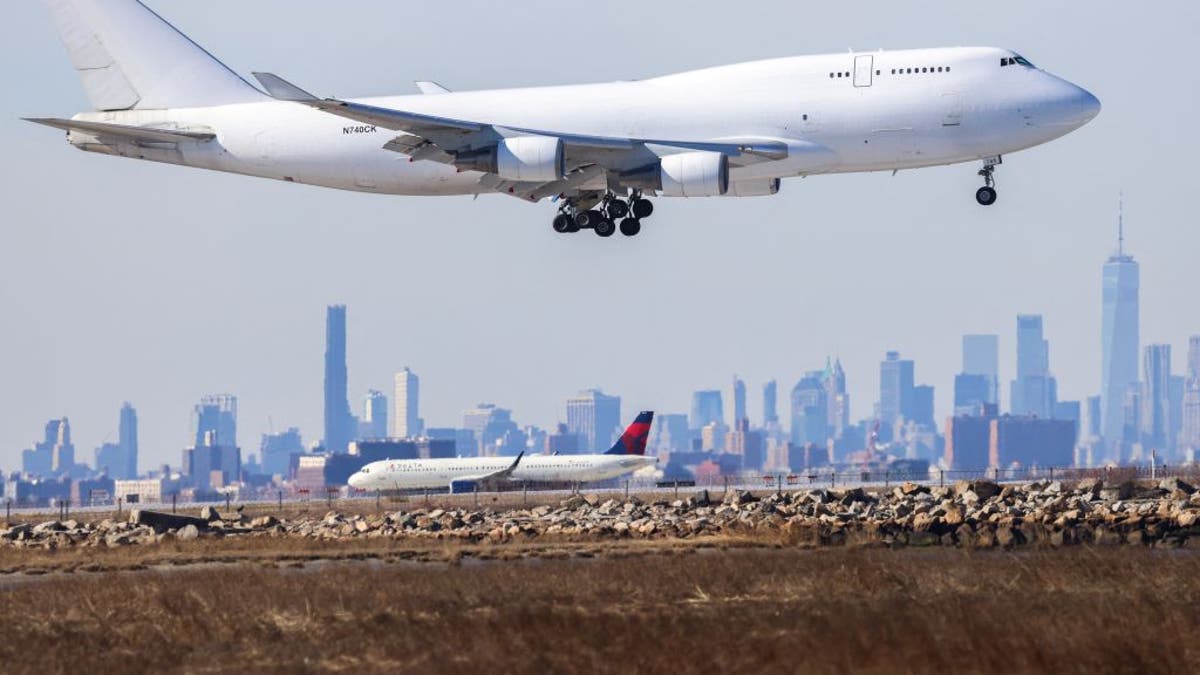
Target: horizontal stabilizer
{"points": [[144, 134]]}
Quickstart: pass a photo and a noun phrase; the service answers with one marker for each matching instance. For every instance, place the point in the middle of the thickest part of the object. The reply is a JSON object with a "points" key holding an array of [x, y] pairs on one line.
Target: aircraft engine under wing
{"points": [[480, 146], [469, 483]]}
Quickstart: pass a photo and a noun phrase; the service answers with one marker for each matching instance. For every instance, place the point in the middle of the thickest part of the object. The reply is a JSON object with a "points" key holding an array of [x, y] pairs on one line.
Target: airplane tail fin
{"points": [[128, 57], [633, 441]]}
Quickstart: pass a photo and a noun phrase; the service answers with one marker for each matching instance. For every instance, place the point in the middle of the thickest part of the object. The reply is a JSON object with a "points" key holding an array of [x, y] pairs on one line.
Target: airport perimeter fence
{"points": [[518, 494]]}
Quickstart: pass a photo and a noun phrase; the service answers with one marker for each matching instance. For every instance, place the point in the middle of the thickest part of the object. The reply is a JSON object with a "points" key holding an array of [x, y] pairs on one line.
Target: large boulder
{"points": [[161, 522], [187, 533]]}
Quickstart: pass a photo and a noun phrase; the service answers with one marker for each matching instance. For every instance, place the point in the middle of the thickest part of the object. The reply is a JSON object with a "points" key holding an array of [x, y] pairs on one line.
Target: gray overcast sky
{"points": [[122, 280]]}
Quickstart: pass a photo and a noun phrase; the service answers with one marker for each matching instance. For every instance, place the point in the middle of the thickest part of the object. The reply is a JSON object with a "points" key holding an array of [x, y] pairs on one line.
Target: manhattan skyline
{"points": [[107, 301]]}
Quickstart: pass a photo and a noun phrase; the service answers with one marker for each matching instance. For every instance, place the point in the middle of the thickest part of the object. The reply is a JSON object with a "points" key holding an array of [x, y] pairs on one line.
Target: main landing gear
{"points": [[603, 219], [986, 195]]}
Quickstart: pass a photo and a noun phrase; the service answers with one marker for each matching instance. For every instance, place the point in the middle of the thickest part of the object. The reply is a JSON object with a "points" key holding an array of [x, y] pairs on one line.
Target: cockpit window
{"points": [[366, 469], [1016, 60]]}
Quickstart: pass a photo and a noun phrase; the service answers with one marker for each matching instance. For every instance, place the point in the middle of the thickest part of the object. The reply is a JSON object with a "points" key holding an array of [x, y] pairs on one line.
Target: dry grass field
{"points": [[683, 610]]}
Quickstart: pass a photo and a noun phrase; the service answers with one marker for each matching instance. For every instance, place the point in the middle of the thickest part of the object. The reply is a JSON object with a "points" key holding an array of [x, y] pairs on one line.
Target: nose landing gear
{"points": [[986, 195]]}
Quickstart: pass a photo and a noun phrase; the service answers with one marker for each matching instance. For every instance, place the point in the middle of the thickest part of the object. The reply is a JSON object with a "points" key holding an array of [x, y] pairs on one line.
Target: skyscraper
{"points": [[216, 414], [1035, 390], [595, 417], [127, 435], [407, 419], [836, 396], [739, 401], [1190, 431], [895, 389], [375, 416], [1156, 398], [981, 356], [770, 404], [338, 421], [810, 410], [1118, 336], [706, 409]]}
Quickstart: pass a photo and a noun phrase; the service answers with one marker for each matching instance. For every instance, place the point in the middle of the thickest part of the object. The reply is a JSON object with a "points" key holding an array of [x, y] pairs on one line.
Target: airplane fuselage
{"points": [[865, 112], [417, 474]]}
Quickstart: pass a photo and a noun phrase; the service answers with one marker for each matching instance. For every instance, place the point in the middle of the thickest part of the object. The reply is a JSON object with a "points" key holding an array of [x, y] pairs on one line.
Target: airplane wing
{"points": [[123, 131], [468, 483], [436, 138]]}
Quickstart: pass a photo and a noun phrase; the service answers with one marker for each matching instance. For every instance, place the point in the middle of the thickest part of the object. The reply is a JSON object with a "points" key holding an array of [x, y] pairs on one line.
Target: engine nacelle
{"points": [[694, 174], [531, 159], [759, 187]]}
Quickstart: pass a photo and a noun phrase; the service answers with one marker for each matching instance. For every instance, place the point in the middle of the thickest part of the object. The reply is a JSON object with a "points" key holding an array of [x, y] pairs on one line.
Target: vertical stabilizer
{"points": [[128, 57]]}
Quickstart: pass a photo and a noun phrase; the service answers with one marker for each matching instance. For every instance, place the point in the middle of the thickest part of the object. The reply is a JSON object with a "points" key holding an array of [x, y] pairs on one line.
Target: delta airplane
{"points": [[465, 474], [599, 150]]}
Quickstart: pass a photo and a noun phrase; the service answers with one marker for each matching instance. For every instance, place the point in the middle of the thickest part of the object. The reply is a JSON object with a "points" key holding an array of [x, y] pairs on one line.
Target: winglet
{"points": [[283, 90], [430, 88], [515, 463]]}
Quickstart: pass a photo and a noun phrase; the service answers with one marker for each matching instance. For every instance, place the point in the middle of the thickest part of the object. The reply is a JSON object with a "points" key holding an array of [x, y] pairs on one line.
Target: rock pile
{"points": [[969, 514]]}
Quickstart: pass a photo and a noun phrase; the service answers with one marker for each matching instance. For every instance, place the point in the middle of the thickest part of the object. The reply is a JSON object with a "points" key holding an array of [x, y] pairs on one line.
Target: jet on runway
{"points": [[465, 474], [600, 151]]}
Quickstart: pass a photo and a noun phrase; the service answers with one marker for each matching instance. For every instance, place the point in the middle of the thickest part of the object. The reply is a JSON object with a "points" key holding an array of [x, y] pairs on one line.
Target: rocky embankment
{"points": [[978, 514]]}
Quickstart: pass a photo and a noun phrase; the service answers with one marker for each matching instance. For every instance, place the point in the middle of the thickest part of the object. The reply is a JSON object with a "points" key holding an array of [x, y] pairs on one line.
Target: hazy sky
{"points": [[122, 280]]}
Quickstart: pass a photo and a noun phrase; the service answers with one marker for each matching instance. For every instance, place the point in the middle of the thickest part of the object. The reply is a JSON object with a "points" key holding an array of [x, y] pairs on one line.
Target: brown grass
{"points": [[713, 611]]}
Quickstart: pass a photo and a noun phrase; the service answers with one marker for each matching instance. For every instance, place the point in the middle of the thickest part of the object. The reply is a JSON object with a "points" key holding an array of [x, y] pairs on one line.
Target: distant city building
{"points": [[1035, 390], [1119, 340], [127, 435], [747, 443], [673, 433], [1156, 398], [1094, 417], [922, 407], [402, 448], [110, 458], [211, 466], [1190, 404], [770, 404], [464, 439], [1178, 389], [143, 491], [339, 423], [981, 356], [895, 390], [494, 431], [836, 397], [1131, 419], [739, 401], [971, 393], [595, 418], [563, 441], [810, 410], [712, 437], [406, 399], [216, 415], [974, 443], [277, 450], [1070, 411], [374, 422], [706, 409], [55, 454]]}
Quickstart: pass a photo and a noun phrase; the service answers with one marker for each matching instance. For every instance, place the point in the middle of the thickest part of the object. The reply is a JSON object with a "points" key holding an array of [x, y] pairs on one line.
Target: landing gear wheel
{"points": [[604, 227], [617, 209], [630, 227], [986, 196], [564, 223], [642, 208], [585, 220]]}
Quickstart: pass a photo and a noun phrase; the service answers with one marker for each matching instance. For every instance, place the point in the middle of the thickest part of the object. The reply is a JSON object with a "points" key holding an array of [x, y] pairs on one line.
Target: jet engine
{"points": [[686, 174], [532, 159]]}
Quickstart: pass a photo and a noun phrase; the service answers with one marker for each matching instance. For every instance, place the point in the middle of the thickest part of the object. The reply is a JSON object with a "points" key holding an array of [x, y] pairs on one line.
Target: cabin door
{"points": [[864, 70]]}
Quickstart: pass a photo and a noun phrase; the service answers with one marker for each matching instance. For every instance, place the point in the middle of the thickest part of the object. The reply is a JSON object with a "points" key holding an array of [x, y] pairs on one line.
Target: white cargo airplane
{"points": [[598, 149], [465, 474]]}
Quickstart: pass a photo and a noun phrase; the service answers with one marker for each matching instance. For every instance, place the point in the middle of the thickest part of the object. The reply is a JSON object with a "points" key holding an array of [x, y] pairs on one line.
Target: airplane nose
{"points": [[355, 480], [1089, 104]]}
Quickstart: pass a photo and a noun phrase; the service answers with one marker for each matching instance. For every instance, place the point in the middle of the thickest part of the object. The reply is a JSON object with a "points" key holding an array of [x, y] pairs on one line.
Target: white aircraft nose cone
{"points": [[1089, 104], [355, 480]]}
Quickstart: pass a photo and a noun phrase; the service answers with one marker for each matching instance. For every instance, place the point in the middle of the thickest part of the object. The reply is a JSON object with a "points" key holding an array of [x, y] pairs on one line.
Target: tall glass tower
{"points": [[337, 405], [1118, 336]]}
